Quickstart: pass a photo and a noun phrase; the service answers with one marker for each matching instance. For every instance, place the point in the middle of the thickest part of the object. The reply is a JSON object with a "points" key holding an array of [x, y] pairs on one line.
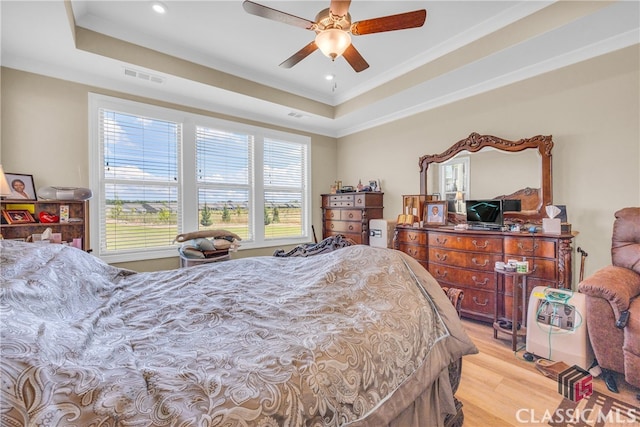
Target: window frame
{"points": [[188, 215], [453, 164]]}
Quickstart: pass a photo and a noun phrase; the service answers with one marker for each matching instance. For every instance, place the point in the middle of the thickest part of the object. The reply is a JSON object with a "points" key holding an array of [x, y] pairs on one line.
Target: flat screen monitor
{"points": [[512, 205], [486, 213]]}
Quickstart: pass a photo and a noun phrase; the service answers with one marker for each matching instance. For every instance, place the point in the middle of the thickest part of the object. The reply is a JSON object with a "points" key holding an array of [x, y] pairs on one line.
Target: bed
{"points": [[358, 336]]}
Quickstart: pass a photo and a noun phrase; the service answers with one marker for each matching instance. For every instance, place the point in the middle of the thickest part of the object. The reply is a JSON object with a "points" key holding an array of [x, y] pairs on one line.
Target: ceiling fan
{"points": [[333, 26]]}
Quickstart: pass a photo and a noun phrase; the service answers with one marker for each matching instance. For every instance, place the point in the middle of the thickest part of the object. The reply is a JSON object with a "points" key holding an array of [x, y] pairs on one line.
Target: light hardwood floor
{"points": [[500, 388]]}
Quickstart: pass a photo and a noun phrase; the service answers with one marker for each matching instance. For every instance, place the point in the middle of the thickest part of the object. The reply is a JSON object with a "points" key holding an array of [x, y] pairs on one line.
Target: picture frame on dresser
{"points": [[22, 187], [435, 213], [374, 185], [18, 217]]}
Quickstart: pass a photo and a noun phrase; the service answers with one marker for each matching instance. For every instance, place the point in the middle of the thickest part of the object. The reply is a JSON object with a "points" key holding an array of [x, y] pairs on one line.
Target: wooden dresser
{"points": [[466, 259], [349, 214]]}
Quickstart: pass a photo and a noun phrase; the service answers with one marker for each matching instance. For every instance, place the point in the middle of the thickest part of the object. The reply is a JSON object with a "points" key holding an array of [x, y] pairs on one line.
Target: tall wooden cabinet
{"points": [[76, 228], [466, 259], [349, 214]]}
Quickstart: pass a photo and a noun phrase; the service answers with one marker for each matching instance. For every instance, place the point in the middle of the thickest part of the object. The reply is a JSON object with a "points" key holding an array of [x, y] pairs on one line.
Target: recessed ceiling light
{"points": [[330, 77], [159, 7]]}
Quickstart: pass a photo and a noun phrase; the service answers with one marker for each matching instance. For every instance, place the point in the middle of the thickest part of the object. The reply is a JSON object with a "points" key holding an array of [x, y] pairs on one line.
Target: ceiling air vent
{"points": [[296, 115], [143, 76]]}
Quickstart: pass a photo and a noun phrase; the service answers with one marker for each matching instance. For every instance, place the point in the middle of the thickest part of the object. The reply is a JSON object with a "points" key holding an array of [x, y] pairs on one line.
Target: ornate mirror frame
{"points": [[475, 142]]}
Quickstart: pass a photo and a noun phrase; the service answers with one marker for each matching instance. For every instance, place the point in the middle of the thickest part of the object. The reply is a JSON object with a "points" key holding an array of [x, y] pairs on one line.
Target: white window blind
{"points": [[285, 175], [139, 204], [224, 175]]}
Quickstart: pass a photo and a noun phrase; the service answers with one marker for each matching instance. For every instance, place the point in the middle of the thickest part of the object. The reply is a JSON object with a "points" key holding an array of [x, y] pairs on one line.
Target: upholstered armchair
{"points": [[613, 303]]}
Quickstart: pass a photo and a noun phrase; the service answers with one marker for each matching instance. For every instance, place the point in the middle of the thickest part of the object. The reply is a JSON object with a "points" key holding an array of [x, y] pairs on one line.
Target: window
{"points": [[225, 180], [158, 173], [454, 178], [284, 169]]}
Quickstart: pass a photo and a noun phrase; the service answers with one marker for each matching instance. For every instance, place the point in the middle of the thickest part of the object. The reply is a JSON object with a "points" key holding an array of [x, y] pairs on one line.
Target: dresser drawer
{"points": [[368, 200], [412, 236], [465, 242], [357, 200], [341, 200], [477, 261], [415, 251], [459, 277], [351, 215], [343, 214], [542, 268], [358, 238], [522, 246], [344, 227], [477, 301], [332, 214]]}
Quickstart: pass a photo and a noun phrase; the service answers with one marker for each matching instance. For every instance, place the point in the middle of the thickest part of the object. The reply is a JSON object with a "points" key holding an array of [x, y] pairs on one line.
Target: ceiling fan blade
{"points": [[339, 7], [299, 55], [276, 15], [401, 21], [354, 59]]}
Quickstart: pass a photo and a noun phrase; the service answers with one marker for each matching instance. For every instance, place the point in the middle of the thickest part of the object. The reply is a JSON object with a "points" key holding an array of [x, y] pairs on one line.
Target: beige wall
{"points": [[592, 111], [45, 133]]}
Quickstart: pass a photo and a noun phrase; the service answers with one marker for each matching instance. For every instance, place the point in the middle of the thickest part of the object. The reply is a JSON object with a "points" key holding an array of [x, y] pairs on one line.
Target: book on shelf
{"points": [[407, 219]]}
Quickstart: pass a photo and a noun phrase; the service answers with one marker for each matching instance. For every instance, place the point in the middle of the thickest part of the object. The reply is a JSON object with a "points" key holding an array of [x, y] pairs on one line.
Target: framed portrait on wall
{"points": [[22, 187], [435, 213]]}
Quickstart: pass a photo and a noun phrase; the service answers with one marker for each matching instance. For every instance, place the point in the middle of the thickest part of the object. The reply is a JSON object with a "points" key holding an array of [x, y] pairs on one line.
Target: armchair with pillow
{"points": [[613, 303]]}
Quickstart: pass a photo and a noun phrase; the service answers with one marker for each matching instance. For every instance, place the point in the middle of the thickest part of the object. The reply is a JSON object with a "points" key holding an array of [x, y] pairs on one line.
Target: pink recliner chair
{"points": [[613, 303]]}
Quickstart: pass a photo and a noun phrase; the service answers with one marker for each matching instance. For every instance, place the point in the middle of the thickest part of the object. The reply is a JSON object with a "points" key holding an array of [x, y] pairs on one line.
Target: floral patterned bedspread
{"points": [[264, 341]]}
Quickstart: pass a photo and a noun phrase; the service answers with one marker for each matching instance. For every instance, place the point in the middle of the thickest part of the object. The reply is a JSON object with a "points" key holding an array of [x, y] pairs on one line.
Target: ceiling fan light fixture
{"points": [[333, 42], [159, 7]]}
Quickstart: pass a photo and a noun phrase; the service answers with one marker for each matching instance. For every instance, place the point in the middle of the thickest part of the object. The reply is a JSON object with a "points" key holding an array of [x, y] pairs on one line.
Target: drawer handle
{"points": [[441, 257], [442, 242], [351, 228], [475, 243], [413, 236], [440, 273], [332, 226], [486, 262], [350, 215], [522, 248], [476, 282], [333, 214], [486, 301], [412, 252]]}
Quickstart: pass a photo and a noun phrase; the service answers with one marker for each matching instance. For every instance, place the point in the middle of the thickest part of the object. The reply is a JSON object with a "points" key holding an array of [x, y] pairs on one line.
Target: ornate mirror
{"points": [[493, 168]]}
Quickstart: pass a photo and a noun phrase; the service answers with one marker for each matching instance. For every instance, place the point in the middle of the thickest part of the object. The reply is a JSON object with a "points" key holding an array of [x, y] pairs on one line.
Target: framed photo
{"points": [[22, 187], [435, 213], [18, 217], [563, 213]]}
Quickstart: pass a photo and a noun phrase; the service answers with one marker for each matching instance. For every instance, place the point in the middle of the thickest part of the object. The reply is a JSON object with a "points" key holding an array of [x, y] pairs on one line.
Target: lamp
{"points": [[5, 190], [333, 42], [459, 199]]}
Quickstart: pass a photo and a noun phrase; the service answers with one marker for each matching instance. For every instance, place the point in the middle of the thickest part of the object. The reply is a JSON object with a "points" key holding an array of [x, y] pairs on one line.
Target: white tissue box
{"points": [[551, 225]]}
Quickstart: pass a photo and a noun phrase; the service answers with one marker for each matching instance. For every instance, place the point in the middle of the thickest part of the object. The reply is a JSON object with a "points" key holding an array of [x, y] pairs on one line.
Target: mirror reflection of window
{"points": [[454, 180]]}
